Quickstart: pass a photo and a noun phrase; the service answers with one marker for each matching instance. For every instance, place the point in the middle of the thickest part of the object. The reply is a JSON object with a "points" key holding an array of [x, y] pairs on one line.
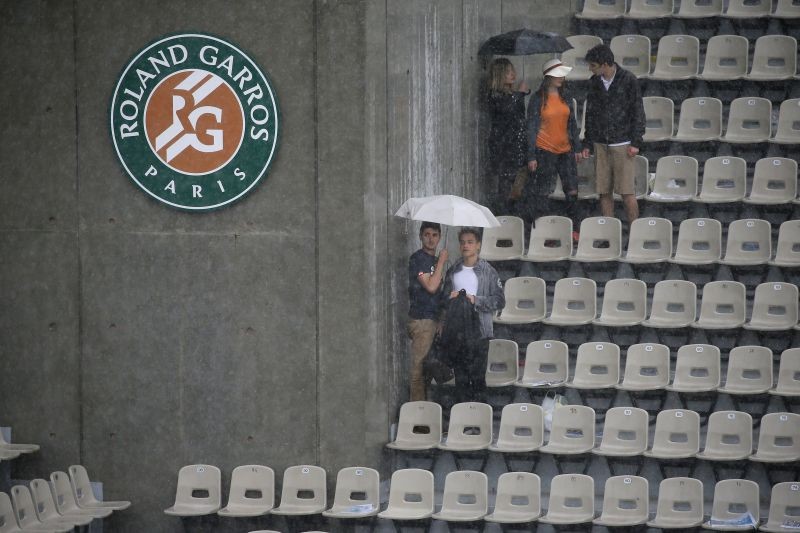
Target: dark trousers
{"points": [[551, 166], [469, 365]]}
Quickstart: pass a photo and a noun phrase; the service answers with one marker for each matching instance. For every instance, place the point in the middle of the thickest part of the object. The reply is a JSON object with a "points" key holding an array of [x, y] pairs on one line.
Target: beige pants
{"points": [[421, 333], [614, 169]]}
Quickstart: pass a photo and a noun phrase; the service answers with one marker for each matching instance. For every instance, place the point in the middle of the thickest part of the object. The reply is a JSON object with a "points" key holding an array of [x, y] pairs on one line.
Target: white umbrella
{"points": [[448, 209]]}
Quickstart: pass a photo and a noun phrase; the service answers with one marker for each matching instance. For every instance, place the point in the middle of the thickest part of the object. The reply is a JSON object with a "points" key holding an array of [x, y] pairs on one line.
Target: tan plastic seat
{"points": [[65, 499], [521, 429], [626, 502], [82, 489], [16, 447], [571, 500], [357, 493], [677, 58], [526, 301], [787, 9], [8, 520], [505, 242], [729, 436], [551, 240], [649, 241], [518, 499], [774, 181], [726, 58], [470, 427], [303, 492], [749, 121], [748, 9], [695, 9], [677, 435], [46, 507], [419, 426], [574, 57], [646, 367], [784, 502], [724, 180], [723, 305], [697, 369], [572, 432], [774, 58], [778, 439], [650, 9], [194, 479], [410, 495], [624, 432], [788, 374], [602, 9], [674, 304], [788, 129], [749, 243], [749, 370], [26, 516], [787, 252], [659, 113], [632, 52], [545, 364], [574, 302], [774, 308], [596, 366], [676, 180], [700, 120], [502, 363], [680, 504], [600, 240], [736, 506], [641, 179], [465, 497], [252, 491], [6, 455], [699, 242], [624, 303]]}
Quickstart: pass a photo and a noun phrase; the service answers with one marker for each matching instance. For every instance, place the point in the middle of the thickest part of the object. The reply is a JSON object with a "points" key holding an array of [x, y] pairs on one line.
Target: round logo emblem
{"points": [[194, 121]]}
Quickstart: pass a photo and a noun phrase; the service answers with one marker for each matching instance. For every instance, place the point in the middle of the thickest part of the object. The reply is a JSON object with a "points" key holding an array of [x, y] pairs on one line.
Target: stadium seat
{"points": [[697, 369], [624, 432], [649, 241], [572, 432], [649, 9], [677, 435], [357, 493], [787, 9], [626, 502], [774, 58], [676, 180], [8, 520], [419, 426], [674, 304], [602, 9], [600, 240], [659, 113], [65, 498], [749, 121], [774, 181], [749, 370], [700, 120], [784, 502], [724, 180], [303, 492], [596, 366], [641, 179], [16, 448], [574, 57], [696, 9], [571, 500], [646, 368], [82, 488], [624, 303], [574, 302], [699, 242], [788, 374], [723, 305], [545, 364], [252, 491], [677, 58], [551, 240], [27, 517], [749, 243], [726, 58], [46, 508], [504, 242], [680, 504], [632, 52], [521, 429], [526, 301], [787, 252], [748, 9], [729, 437], [465, 497], [196, 479], [774, 308], [518, 499], [470, 427], [788, 129], [410, 495], [778, 439], [502, 363], [735, 507]]}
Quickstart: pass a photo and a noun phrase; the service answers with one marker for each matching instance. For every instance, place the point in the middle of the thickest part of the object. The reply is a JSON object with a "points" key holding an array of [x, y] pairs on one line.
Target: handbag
{"points": [[435, 365]]}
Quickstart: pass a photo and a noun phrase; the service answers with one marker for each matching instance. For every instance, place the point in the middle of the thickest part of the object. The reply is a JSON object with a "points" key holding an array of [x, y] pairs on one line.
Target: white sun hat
{"points": [[555, 68]]}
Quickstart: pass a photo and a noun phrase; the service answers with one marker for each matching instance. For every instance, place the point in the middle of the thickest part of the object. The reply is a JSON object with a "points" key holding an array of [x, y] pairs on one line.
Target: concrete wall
{"points": [[135, 338]]}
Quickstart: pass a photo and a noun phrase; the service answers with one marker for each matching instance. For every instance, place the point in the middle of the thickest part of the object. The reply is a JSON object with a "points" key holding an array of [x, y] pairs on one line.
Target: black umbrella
{"points": [[525, 42]]}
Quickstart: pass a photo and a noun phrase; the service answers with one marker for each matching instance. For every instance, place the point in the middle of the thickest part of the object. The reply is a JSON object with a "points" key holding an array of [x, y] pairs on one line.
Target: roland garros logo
{"points": [[194, 121]]}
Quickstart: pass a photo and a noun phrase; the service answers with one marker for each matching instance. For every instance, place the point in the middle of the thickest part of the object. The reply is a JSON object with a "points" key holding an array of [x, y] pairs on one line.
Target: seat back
{"points": [[551, 239], [699, 8], [546, 363], [680, 502], [600, 9], [787, 252], [749, 120], [659, 113], [8, 521], [700, 119], [470, 425], [774, 179], [625, 429], [699, 241], [573, 427], [632, 52], [788, 129], [649, 240], [789, 373], [626, 500], [748, 8], [526, 300], [571, 498], [252, 485], [778, 439], [677, 58], [357, 489], [597, 365], [784, 505], [24, 508], [749, 242], [304, 486], [574, 300], [199, 485], [697, 368], [677, 433], [506, 241], [676, 179], [723, 305], [521, 425], [574, 57], [729, 436], [600, 239], [465, 491], [646, 367], [724, 180], [81, 486], [749, 369], [774, 58], [774, 308], [502, 363], [734, 499], [624, 302], [674, 303], [726, 58], [411, 489], [648, 9], [518, 492], [789, 9], [420, 423], [43, 500], [62, 492]]}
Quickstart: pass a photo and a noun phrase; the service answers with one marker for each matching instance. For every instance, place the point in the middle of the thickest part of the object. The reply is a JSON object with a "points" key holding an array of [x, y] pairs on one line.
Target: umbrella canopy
{"points": [[448, 209], [525, 42]]}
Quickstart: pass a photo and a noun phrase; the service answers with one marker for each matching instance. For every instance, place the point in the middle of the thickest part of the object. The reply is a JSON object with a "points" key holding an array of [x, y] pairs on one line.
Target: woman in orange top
{"points": [[553, 145]]}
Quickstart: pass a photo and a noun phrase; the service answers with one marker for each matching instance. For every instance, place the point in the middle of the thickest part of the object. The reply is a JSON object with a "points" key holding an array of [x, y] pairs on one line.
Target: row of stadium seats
{"points": [[690, 9]]}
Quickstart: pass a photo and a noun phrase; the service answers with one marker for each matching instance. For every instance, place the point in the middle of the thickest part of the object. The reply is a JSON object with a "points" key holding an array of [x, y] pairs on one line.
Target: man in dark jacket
{"points": [[615, 125]]}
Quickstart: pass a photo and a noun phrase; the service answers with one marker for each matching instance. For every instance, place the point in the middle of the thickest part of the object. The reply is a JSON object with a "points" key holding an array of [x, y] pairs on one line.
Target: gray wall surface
{"points": [[134, 338]]}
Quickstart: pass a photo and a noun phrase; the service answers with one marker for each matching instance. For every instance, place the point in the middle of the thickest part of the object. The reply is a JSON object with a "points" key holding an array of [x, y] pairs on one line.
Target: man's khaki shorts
{"points": [[614, 169]]}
